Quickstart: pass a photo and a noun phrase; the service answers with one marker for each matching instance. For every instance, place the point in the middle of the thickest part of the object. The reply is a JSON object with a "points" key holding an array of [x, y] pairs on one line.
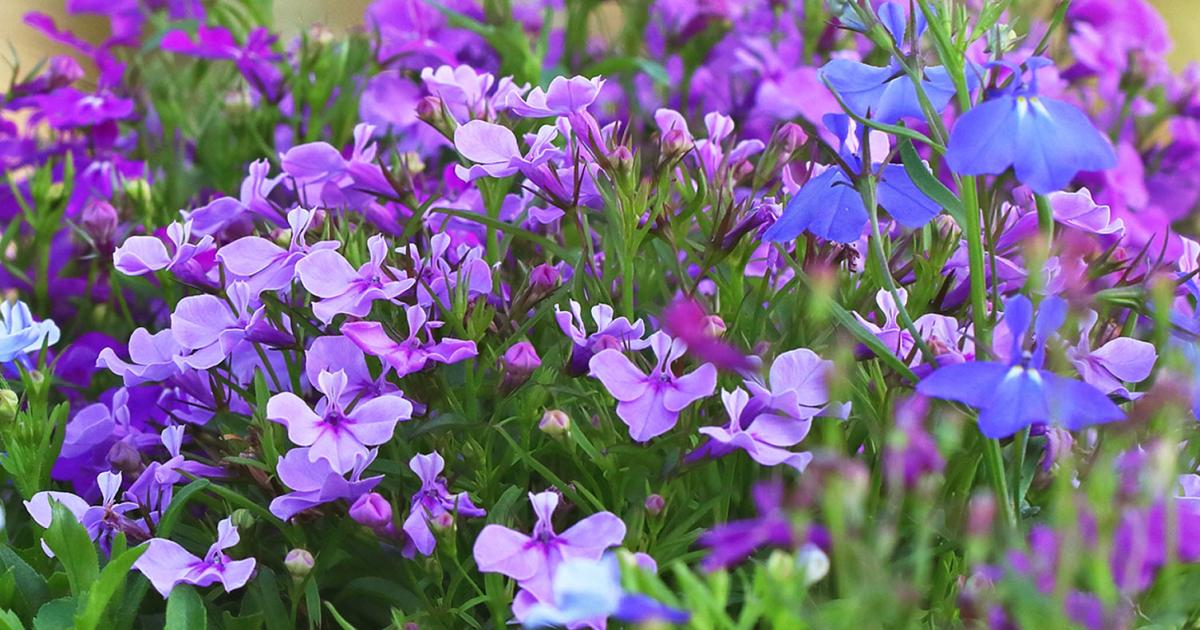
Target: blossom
{"points": [[140, 255], [166, 563], [764, 441], [265, 266], [1013, 395], [796, 390], [314, 482], [335, 353], [433, 502], [152, 357], [1046, 141], [650, 403], [587, 590], [562, 97], [342, 289], [532, 560], [1117, 361], [212, 329], [334, 434], [20, 334], [730, 543], [942, 331], [610, 332], [412, 354], [494, 150], [102, 522]]}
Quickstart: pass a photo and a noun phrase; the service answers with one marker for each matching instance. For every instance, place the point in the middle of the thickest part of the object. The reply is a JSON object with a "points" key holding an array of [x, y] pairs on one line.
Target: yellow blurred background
{"points": [[1183, 19]]}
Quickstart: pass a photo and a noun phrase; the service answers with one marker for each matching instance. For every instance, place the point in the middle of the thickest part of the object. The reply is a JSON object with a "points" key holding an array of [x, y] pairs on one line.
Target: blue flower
{"points": [[1011, 396], [590, 590], [830, 207], [1046, 141], [20, 335]]}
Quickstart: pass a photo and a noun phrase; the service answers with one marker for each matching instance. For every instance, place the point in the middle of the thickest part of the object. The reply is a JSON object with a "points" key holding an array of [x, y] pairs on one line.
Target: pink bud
{"points": [[372, 510]]}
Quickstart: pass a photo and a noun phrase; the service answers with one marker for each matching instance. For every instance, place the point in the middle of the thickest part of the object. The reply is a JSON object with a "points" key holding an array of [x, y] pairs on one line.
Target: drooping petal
{"points": [[984, 140], [973, 383], [618, 374], [502, 550]]}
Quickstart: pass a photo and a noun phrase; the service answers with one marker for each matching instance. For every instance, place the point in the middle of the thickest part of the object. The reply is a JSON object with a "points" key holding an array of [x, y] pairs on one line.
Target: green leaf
{"points": [[185, 610], [9, 620], [55, 615], [71, 544], [112, 580], [928, 184], [31, 586]]}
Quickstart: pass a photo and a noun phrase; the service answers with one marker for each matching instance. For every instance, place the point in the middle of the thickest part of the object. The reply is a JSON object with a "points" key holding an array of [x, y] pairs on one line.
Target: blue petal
{"points": [[939, 87], [1019, 400], [642, 609], [1056, 142], [859, 85], [970, 383], [903, 200], [1018, 313], [1075, 404], [827, 206], [984, 140]]}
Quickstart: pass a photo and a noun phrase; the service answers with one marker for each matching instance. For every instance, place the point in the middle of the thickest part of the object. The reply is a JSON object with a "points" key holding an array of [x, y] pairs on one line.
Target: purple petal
{"points": [[502, 550], [618, 374]]}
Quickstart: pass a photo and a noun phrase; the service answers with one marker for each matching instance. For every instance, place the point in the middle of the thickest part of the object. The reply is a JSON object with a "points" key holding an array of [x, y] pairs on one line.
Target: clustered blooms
{"points": [[640, 277]]}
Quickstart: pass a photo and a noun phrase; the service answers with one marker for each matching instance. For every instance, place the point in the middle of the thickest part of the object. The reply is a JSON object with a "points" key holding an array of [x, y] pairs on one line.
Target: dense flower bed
{"points": [[563, 313]]}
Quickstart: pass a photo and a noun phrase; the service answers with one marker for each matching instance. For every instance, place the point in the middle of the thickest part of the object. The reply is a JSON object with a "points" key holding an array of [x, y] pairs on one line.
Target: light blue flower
{"points": [[20, 335]]}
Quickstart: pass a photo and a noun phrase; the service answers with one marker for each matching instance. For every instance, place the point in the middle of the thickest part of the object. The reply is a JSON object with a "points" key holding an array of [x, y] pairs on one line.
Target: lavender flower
{"points": [[20, 334], [166, 564], [314, 482], [433, 502], [413, 354], [102, 522], [327, 275], [766, 442]]}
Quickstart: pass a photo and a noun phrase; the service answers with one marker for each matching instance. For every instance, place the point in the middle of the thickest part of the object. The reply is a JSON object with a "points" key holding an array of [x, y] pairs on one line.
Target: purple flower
{"points": [[589, 591], [1078, 210], [412, 354], [68, 108], [650, 403], [314, 482], [165, 563], [1046, 141], [212, 329], [342, 289], [103, 522], [618, 333], [762, 437], [265, 266], [564, 96], [140, 255], [931, 326], [340, 353], [433, 502], [152, 358], [532, 560], [732, 542], [1118, 361], [93, 432], [255, 59], [494, 150], [467, 93], [1011, 396], [334, 434], [796, 390]]}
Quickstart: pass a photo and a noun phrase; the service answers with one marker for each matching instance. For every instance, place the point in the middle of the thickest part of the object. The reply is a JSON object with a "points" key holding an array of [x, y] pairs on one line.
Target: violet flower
{"points": [[140, 255], [650, 403], [564, 96], [330, 354], [413, 354], [589, 591], [327, 275], [212, 329], [102, 522], [334, 434], [433, 502], [763, 438], [532, 560], [1011, 396], [1118, 361], [797, 390], [152, 358], [314, 482], [494, 150], [265, 266], [165, 563], [730, 543], [610, 332]]}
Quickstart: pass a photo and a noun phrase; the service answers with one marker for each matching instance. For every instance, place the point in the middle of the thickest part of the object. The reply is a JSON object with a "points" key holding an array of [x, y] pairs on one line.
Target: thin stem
{"points": [[995, 464]]}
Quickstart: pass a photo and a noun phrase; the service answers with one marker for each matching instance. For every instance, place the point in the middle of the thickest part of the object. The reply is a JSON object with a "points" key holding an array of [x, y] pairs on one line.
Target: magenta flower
{"points": [[152, 358], [531, 560], [334, 434], [762, 436], [165, 563], [342, 289], [314, 482], [650, 403], [412, 354], [433, 502]]}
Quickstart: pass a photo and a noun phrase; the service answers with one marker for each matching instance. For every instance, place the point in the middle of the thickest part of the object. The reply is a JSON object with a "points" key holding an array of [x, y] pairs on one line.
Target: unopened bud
{"points": [[675, 144], [9, 404], [299, 563], [242, 519], [654, 504], [790, 137], [622, 159], [519, 362], [430, 110], [544, 277], [442, 522], [372, 510], [138, 190], [555, 422], [781, 566], [124, 457], [99, 220], [812, 563], [714, 326]]}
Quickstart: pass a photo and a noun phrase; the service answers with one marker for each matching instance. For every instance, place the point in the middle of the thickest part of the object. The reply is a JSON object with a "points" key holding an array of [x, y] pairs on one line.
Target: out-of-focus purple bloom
{"points": [[412, 354], [1011, 396], [433, 502], [152, 358], [733, 542], [327, 275], [314, 482], [911, 452], [1045, 140], [589, 591], [255, 59], [338, 436], [68, 108], [103, 522], [212, 329], [766, 442], [686, 320], [140, 255], [165, 563], [532, 560], [92, 434], [20, 334], [1118, 361], [650, 403]]}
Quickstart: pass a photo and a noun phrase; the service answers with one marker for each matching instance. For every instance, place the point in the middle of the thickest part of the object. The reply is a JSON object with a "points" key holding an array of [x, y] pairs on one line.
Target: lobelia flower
{"points": [[342, 289], [796, 390], [650, 403], [562, 97], [213, 329], [340, 353], [314, 482], [589, 591], [610, 332], [334, 434], [102, 522], [532, 560], [152, 358], [433, 502], [20, 334], [1118, 361], [412, 354], [140, 255], [265, 266], [92, 435], [730, 543], [765, 442], [940, 331], [1013, 395], [830, 206], [1046, 141], [467, 93], [255, 59], [166, 564], [494, 150]]}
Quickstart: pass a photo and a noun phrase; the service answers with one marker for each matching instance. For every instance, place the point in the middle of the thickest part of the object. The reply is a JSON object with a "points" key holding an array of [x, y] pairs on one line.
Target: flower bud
{"points": [[812, 563], [981, 515], [125, 458], [654, 504], [9, 404], [299, 563], [518, 362], [138, 190], [432, 111], [781, 566], [442, 522], [242, 519], [555, 422], [675, 144], [372, 510], [99, 222], [714, 326], [790, 137], [622, 159], [544, 277]]}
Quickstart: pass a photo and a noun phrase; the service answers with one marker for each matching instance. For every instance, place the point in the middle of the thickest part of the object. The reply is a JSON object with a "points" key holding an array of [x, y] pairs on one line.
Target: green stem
{"points": [[1045, 217], [974, 233], [995, 464]]}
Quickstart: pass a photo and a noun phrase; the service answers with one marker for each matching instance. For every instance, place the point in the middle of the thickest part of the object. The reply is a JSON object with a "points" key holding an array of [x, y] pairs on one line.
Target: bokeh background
{"points": [[1183, 19]]}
